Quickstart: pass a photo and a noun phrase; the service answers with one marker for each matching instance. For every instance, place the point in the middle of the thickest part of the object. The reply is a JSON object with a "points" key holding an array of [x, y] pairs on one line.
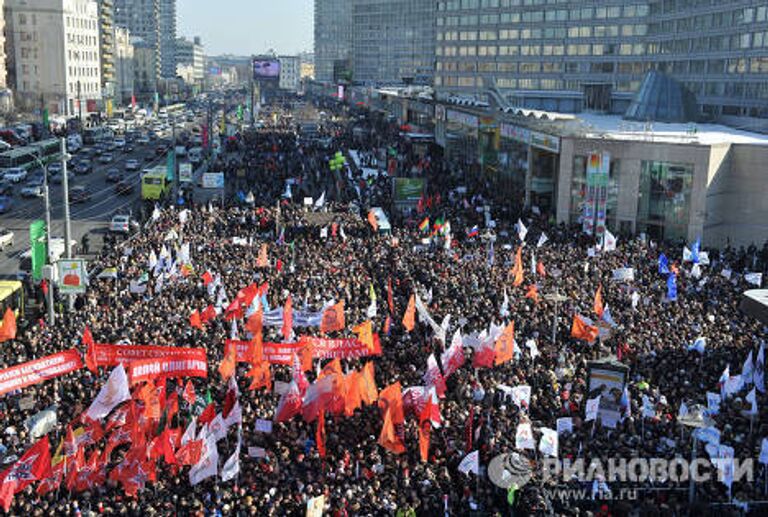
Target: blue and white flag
{"points": [[490, 254], [699, 345], [748, 370], [759, 376], [672, 288], [663, 265]]}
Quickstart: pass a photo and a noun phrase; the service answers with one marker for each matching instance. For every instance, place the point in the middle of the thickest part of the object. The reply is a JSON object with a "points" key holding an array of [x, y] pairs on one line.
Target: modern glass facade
{"points": [[574, 55], [393, 40], [333, 37], [664, 204]]}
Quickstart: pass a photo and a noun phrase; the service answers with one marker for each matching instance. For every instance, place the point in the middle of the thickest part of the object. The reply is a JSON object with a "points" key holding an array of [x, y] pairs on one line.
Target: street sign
{"points": [[72, 276], [185, 172]]}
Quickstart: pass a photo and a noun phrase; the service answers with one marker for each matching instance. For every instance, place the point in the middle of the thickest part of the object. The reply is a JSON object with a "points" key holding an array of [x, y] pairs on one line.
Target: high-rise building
{"points": [[124, 83], [167, 42], [579, 55], [333, 39], [144, 68], [142, 19], [393, 41], [3, 74], [190, 53], [55, 48], [107, 47], [290, 72]]}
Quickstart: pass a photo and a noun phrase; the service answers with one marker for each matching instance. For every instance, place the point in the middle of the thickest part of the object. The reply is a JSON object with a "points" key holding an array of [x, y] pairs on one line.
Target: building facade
{"points": [[3, 72], [290, 73], [55, 46], [167, 41], [107, 47], [142, 19], [190, 54], [144, 69], [333, 39], [124, 83], [575, 55], [393, 41]]}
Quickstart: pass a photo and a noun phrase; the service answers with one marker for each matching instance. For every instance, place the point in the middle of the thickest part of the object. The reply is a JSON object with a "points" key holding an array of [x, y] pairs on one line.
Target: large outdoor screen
{"points": [[266, 69]]}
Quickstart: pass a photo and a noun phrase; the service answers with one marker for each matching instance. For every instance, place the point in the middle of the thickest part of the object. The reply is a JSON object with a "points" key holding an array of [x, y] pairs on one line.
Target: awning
{"points": [[755, 303]]}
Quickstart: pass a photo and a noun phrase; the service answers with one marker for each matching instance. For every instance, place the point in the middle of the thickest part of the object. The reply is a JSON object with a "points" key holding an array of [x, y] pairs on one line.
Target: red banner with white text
{"points": [[112, 355], [322, 348], [163, 367], [39, 370]]}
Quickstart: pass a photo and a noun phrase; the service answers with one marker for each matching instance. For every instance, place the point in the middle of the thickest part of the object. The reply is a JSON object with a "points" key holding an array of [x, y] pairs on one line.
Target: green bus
{"points": [[46, 151]]}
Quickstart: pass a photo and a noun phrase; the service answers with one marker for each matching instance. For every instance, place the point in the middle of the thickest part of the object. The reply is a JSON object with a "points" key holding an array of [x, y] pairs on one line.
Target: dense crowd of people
{"points": [[468, 278]]}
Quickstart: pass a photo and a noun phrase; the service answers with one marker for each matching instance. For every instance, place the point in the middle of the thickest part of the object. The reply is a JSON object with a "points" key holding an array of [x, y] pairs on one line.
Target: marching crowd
{"points": [[332, 252]]}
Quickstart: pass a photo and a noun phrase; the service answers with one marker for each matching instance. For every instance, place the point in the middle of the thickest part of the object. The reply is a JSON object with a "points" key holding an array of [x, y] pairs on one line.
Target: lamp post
{"points": [[557, 298], [695, 419], [47, 202]]}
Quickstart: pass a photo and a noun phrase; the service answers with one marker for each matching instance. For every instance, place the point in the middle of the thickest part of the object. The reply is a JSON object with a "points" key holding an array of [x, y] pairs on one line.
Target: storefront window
{"points": [[664, 203]]}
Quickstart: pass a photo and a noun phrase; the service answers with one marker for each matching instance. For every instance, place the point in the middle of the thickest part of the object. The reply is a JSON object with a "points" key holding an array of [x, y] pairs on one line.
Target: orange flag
{"points": [[598, 304], [305, 357], [320, 434], [151, 398], [332, 368], [390, 297], [540, 269], [388, 437], [368, 390], [533, 293], [583, 330], [255, 323], [288, 318], [364, 333], [228, 364], [333, 318], [391, 400], [195, 321], [409, 320], [504, 348], [517, 270], [261, 375], [263, 260], [372, 220], [425, 429], [353, 397], [8, 328]]}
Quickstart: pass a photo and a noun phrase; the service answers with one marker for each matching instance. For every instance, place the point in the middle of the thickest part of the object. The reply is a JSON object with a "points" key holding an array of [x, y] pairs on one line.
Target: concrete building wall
{"points": [[167, 42], [290, 73], [124, 58], [333, 36], [3, 73]]}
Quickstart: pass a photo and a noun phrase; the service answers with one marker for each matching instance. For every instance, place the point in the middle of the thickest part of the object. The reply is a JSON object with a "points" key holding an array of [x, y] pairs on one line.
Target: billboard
{"points": [[72, 276], [213, 180], [407, 190], [266, 69]]}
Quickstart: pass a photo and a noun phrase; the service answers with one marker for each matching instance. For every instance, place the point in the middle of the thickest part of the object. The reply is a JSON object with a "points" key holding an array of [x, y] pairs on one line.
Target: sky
{"points": [[247, 27]]}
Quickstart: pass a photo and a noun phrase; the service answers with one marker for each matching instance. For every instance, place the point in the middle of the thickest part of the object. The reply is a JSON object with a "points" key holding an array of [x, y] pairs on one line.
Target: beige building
{"points": [[55, 47], [124, 73], [3, 73]]}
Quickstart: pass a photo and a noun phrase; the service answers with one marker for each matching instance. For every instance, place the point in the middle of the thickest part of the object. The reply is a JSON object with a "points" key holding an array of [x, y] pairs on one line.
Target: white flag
{"points": [[764, 452], [752, 399], [42, 423], [592, 407], [235, 416], [208, 464], [748, 370], [315, 506], [114, 392], [231, 467], [524, 437], [522, 231], [233, 334], [759, 376], [548, 443], [521, 396], [542, 239], [564, 425], [504, 311], [320, 201], [470, 463], [324, 232], [609, 241], [530, 344], [217, 428], [189, 433], [754, 278]]}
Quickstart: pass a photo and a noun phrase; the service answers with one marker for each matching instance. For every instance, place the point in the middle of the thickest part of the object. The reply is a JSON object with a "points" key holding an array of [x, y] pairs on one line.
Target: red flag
{"points": [[388, 437], [533, 293], [540, 269], [469, 427], [372, 220], [409, 320], [583, 329], [190, 453], [90, 351], [484, 356], [207, 278], [320, 434], [52, 482], [208, 414], [262, 376], [390, 296], [333, 318], [208, 314], [229, 363], [35, 465], [279, 265], [598, 303], [189, 393], [425, 428], [8, 328], [433, 377], [391, 400], [517, 270], [44, 287], [290, 404], [288, 319], [195, 321]]}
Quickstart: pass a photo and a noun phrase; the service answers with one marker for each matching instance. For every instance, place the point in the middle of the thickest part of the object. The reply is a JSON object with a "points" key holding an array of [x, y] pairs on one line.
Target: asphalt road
{"points": [[90, 217]]}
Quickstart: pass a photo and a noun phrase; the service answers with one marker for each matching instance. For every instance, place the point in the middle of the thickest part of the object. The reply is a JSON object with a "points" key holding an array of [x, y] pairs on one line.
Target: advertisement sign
{"points": [[596, 196], [266, 68], [213, 180], [185, 172], [407, 190], [534, 138], [39, 251], [72, 276], [465, 119]]}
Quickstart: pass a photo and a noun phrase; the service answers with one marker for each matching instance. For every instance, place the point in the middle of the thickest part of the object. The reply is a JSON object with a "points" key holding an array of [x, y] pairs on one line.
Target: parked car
{"points": [[124, 187], [6, 238], [32, 190], [15, 175], [132, 165], [105, 158], [113, 175], [120, 224], [6, 203], [79, 194]]}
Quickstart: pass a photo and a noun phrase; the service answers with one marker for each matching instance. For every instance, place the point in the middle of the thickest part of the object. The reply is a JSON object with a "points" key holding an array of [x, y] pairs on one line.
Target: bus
{"points": [[94, 135], [46, 151], [154, 184], [12, 296]]}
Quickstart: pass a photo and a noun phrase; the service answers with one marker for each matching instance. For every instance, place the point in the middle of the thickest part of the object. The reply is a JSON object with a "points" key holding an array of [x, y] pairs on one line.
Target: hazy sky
{"points": [[247, 26]]}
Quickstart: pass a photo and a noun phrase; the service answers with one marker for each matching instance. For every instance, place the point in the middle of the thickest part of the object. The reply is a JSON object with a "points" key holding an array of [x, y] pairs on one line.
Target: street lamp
{"points": [[557, 298], [695, 419]]}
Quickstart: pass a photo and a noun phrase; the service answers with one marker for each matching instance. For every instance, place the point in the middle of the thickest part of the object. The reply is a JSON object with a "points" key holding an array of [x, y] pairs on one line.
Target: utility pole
{"points": [[67, 226], [47, 201]]}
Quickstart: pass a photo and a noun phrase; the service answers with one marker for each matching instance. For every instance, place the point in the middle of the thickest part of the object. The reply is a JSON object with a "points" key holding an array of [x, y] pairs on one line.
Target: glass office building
{"points": [[333, 38], [575, 55]]}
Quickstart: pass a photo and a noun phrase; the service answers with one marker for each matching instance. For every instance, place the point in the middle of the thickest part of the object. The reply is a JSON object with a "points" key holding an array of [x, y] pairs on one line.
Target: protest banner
{"points": [[112, 355], [180, 366], [39, 370]]}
